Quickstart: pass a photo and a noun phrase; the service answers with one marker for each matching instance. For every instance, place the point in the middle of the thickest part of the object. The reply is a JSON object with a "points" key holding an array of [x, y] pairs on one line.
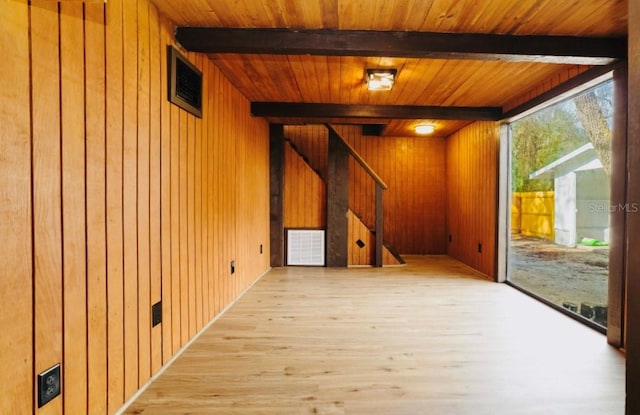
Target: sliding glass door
{"points": [[560, 204]]}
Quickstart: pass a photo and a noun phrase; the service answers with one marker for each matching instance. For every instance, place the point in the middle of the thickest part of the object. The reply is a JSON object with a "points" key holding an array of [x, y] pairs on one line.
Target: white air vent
{"points": [[305, 247]]}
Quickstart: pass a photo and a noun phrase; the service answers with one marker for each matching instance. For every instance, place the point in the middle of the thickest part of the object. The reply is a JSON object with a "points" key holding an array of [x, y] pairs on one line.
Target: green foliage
{"points": [[540, 139]]}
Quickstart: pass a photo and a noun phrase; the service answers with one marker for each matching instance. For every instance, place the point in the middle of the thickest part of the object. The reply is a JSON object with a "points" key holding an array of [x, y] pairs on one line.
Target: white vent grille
{"points": [[305, 247]]}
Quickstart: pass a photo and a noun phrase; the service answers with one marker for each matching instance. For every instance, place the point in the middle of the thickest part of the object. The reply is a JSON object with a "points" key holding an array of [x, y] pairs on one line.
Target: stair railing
{"points": [[380, 188]]}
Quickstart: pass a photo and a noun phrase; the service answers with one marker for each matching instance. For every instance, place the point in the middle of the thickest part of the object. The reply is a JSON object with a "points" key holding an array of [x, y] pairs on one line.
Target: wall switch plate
{"points": [[233, 266], [156, 314], [49, 385]]}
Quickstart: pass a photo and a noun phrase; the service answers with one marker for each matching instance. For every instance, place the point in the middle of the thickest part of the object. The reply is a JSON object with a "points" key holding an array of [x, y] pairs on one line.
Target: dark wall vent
{"points": [[373, 129], [185, 83], [156, 314]]}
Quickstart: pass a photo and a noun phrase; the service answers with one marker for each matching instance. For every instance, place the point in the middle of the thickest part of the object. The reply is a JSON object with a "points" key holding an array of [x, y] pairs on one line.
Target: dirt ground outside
{"points": [[558, 273]]}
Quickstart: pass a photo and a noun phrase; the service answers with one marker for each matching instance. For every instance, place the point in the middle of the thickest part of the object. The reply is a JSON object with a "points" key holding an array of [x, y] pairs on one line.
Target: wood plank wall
{"points": [[303, 193], [472, 162], [17, 262], [415, 202], [362, 194], [113, 199], [305, 200], [364, 255], [414, 170], [437, 187], [313, 142]]}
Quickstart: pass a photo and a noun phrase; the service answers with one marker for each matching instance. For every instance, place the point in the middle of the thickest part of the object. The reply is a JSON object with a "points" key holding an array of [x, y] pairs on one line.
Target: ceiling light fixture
{"points": [[380, 79], [425, 128]]}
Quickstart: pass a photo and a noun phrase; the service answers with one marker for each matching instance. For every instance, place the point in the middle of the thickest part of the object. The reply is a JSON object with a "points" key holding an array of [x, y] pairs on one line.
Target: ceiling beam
{"points": [[547, 49], [306, 110]]}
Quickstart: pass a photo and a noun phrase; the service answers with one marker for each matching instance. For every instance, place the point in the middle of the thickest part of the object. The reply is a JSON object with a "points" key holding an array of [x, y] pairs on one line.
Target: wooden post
{"points": [[632, 267], [618, 212], [379, 224], [276, 180], [337, 203]]}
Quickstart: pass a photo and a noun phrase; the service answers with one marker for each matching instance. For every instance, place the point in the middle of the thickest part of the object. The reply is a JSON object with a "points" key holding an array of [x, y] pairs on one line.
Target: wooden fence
{"points": [[532, 214]]}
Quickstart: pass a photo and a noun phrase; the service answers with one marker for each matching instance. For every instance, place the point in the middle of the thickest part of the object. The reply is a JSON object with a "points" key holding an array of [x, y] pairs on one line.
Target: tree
{"points": [[590, 113], [547, 135], [540, 139]]}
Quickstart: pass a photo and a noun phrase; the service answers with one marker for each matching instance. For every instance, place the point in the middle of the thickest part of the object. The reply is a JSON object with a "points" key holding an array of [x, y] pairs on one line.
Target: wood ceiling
{"points": [[321, 55]]}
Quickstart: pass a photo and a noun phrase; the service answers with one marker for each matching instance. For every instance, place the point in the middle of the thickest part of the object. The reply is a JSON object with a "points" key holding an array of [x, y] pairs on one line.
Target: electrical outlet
{"points": [[233, 267], [48, 385], [156, 314]]}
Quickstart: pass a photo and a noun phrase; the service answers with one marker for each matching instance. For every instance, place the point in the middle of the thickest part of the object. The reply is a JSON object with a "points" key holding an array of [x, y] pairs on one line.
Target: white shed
{"points": [[581, 196]]}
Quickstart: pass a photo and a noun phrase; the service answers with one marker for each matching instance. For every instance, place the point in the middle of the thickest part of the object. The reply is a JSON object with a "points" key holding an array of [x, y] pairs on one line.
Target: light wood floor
{"points": [[429, 338]]}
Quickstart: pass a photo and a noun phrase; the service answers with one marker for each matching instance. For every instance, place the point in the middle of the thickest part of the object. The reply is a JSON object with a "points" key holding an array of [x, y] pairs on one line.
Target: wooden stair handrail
{"points": [[358, 158], [380, 188]]}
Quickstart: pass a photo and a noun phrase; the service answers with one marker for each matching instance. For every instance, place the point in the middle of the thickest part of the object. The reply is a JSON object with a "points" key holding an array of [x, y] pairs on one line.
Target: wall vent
{"points": [[305, 247], [156, 314], [185, 83]]}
